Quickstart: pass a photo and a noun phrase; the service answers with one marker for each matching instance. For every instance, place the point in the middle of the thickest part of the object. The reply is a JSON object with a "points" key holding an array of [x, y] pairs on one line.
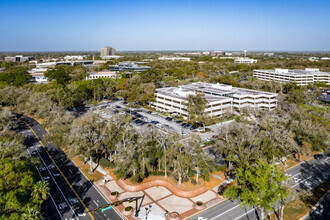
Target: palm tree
{"points": [[31, 214], [41, 190]]}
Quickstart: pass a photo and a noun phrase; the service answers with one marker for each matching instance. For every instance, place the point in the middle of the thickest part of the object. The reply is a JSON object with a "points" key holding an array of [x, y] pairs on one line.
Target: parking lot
{"points": [[143, 118]]}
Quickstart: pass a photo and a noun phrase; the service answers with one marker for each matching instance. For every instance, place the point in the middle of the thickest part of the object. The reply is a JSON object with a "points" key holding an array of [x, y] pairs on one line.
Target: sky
{"points": [[88, 25]]}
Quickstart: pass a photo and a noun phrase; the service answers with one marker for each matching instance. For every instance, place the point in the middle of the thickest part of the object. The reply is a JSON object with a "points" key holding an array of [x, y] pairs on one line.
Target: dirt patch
{"points": [[85, 168]]}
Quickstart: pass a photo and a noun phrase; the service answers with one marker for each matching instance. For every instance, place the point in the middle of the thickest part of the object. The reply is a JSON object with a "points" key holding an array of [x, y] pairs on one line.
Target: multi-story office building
{"points": [[128, 67], [301, 77], [221, 98], [107, 51], [75, 57], [103, 74], [175, 58], [18, 58], [245, 60], [38, 75], [216, 53]]}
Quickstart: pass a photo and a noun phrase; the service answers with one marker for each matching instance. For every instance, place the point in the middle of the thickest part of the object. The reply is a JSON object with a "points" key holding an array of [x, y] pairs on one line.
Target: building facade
{"points": [[221, 98], [104, 74], [246, 60], [175, 58], [18, 58], [38, 75], [301, 77], [128, 67], [107, 51]]}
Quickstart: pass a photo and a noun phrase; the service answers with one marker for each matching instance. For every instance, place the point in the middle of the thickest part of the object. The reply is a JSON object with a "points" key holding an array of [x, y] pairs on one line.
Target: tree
{"points": [[41, 190], [196, 105], [59, 75], [31, 214], [16, 182], [239, 143], [259, 184], [86, 136]]}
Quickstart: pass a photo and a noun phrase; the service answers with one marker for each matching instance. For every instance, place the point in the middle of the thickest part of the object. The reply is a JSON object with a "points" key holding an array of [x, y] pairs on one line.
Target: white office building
{"points": [[221, 98], [38, 75], [75, 57], [104, 74], [301, 77], [175, 58], [245, 60]]}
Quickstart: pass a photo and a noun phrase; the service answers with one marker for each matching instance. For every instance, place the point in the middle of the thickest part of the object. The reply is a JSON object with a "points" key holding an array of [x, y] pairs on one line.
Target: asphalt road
{"points": [[72, 195], [307, 175]]}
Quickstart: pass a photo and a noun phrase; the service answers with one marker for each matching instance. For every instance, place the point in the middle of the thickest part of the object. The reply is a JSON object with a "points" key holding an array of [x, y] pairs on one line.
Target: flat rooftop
{"points": [[294, 72], [174, 92], [223, 89]]}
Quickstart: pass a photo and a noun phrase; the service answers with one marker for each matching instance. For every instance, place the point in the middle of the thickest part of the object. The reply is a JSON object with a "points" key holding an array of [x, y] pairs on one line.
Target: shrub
{"points": [[191, 173], [222, 167], [193, 181], [106, 163], [114, 193], [128, 208], [199, 203]]}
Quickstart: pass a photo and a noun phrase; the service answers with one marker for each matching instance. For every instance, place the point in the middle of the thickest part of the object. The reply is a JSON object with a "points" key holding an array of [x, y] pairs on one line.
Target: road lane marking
{"points": [[224, 212], [56, 183], [302, 181], [247, 213], [95, 203], [105, 197], [50, 196], [61, 172]]}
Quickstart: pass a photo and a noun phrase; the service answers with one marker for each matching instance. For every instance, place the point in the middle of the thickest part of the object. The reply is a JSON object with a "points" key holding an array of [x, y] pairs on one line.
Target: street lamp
{"points": [[148, 210]]}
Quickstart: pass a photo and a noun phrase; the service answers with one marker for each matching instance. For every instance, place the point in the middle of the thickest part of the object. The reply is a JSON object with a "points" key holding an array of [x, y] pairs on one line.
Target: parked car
{"points": [[193, 127], [154, 122], [215, 136], [200, 129], [183, 134], [178, 122], [117, 106], [149, 112], [318, 156], [138, 121], [207, 139], [168, 119]]}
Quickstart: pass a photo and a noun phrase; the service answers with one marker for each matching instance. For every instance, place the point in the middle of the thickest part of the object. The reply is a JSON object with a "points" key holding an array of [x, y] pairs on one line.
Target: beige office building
{"points": [[301, 77], [107, 51]]}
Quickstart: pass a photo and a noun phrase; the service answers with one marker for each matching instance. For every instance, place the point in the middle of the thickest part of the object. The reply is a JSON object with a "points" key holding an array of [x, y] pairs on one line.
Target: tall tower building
{"points": [[107, 51]]}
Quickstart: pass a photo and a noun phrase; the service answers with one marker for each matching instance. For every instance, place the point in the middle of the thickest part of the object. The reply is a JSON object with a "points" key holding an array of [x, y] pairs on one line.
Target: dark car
{"points": [[117, 106], [215, 136], [178, 122], [168, 119], [318, 156], [143, 123], [149, 112], [138, 121], [154, 122], [193, 127]]}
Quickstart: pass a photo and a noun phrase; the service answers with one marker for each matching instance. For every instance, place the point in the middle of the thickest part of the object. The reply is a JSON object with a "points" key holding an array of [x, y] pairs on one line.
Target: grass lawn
{"points": [[300, 207]]}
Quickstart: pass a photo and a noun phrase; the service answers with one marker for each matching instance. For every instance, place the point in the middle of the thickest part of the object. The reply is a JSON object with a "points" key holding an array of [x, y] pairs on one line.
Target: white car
{"points": [[207, 139], [183, 134], [200, 129]]}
